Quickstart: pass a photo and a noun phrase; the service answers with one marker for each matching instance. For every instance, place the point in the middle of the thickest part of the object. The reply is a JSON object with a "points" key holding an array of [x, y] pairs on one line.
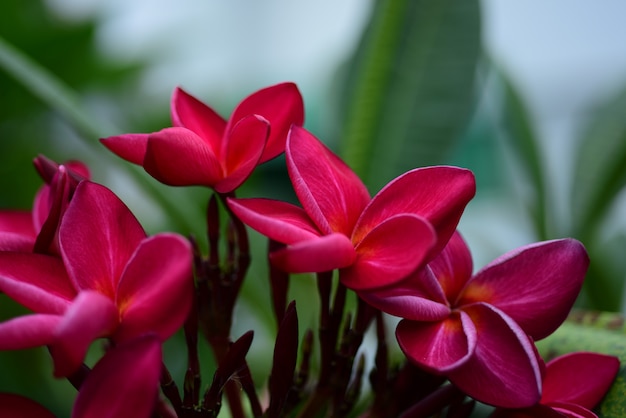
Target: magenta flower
{"points": [[479, 330], [375, 242], [123, 384], [573, 384], [110, 281], [36, 230], [204, 149]]}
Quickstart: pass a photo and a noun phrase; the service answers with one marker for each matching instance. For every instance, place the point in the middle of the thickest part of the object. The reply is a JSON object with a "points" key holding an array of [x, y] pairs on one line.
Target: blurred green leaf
{"points": [[599, 332], [520, 134], [409, 91], [600, 169]]}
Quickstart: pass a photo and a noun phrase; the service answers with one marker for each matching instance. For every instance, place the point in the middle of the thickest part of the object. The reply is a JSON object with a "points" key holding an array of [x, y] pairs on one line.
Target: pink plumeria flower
{"points": [[36, 230], [573, 384], [479, 330], [204, 149], [110, 281], [373, 241], [123, 384]]}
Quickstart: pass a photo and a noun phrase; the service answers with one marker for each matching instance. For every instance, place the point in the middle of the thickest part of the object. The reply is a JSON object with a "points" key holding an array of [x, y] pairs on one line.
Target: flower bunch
{"points": [[83, 264]]}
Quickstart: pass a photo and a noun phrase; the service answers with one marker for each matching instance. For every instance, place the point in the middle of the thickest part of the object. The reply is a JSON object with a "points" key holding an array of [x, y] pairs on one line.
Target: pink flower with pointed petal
{"points": [[374, 242], [478, 330], [36, 231], [111, 281], [204, 149], [573, 384]]}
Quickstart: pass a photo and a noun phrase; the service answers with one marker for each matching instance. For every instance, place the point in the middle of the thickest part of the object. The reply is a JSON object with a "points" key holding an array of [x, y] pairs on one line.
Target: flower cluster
{"points": [[82, 263]]}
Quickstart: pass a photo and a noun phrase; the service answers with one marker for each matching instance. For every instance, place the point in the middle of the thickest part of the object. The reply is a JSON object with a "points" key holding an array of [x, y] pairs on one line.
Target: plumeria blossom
{"points": [[479, 330], [204, 149], [573, 384], [36, 230], [111, 280], [123, 384], [374, 241]]}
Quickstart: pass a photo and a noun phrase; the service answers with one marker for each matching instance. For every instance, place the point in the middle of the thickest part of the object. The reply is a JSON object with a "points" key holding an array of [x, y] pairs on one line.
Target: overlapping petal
{"points": [[440, 346], [17, 406], [453, 267], [180, 157], [503, 369], [390, 252], [98, 235], [91, 315], [189, 112], [438, 194], [131, 147], [536, 285], [329, 191], [28, 331], [156, 289], [321, 254], [124, 383], [281, 105], [38, 282]]}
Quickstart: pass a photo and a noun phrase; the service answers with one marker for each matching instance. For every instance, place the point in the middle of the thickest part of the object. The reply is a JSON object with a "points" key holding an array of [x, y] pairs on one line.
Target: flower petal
{"points": [[315, 255], [417, 298], [17, 406], [580, 378], [439, 346], [536, 411], [180, 157], [453, 267], [10, 241], [330, 192], [38, 282], [18, 222], [124, 383], [131, 147], [438, 194], [280, 221], [28, 331], [156, 290], [98, 234], [536, 285], [390, 252], [92, 315], [189, 112], [572, 410], [504, 369], [281, 105], [242, 149]]}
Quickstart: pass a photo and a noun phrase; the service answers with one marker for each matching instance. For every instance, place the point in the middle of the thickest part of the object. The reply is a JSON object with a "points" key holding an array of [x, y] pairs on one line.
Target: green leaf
{"points": [[600, 169], [598, 332], [519, 131], [409, 91]]}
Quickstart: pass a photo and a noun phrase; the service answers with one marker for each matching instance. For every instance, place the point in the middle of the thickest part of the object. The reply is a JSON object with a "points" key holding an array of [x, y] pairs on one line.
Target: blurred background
{"points": [[529, 95]]}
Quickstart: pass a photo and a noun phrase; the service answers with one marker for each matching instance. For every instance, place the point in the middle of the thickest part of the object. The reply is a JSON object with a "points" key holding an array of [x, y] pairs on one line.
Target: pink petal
{"points": [[10, 241], [98, 235], [328, 189], [280, 221], [156, 289], [179, 157], [91, 316], [242, 149], [189, 112], [281, 105], [438, 194], [453, 267], [536, 411], [572, 410], [316, 255], [439, 346], [124, 383], [504, 369], [18, 222], [16, 406], [28, 331], [131, 147], [390, 252], [418, 298], [579, 378], [536, 285], [38, 282]]}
